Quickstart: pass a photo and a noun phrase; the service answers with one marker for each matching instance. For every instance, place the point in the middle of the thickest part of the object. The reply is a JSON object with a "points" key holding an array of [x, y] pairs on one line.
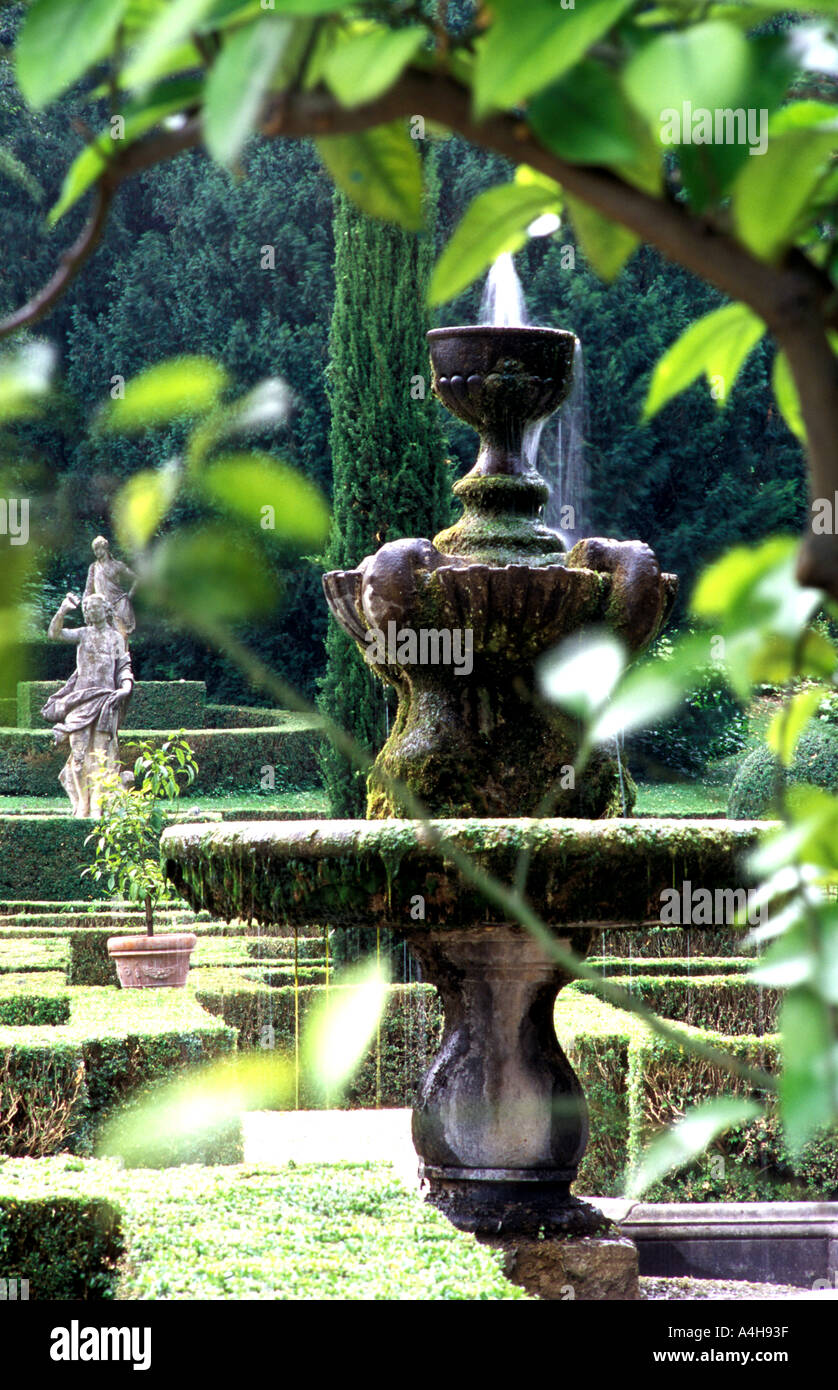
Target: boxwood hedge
{"points": [[815, 761], [58, 1083], [153, 704], [264, 1016], [636, 1082], [228, 760]]}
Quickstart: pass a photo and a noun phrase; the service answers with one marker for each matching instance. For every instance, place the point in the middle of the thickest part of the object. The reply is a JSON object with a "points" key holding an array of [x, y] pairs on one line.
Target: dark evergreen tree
{"points": [[390, 476]]}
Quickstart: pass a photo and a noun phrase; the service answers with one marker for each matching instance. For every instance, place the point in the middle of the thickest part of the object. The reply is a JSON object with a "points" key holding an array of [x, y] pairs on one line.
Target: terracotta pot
{"points": [[152, 962]]}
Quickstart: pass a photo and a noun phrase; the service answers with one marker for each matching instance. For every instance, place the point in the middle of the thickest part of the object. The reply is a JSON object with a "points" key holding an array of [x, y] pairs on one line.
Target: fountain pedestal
{"points": [[501, 1122]]}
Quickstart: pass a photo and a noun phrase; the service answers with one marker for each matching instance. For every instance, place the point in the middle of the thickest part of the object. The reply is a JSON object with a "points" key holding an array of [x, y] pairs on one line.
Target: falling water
{"points": [[560, 454], [564, 462], [503, 299], [618, 744]]}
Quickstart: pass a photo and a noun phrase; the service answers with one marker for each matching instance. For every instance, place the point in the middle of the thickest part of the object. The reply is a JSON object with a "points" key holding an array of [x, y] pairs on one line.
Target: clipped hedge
{"points": [[242, 717], [57, 1085], [89, 962], [8, 712], [228, 760], [729, 1004], [162, 705], [690, 966], [44, 855], [636, 1083], [283, 975], [815, 762], [65, 1246], [683, 942], [39, 1001], [271, 948], [410, 1032]]}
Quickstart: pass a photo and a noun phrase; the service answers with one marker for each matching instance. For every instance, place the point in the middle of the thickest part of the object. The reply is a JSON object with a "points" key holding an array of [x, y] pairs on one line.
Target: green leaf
{"points": [[771, 193], [238, 82], [141, 504], [169, 28], [789, 723], [210, 573], [585, 117], [707, 64], [209, 1097], [724, 584], [808, 1085], [340, 1028], [380, 170], [606, 244], [716, 345], [787, 963], [367, 65], [269, 495], [646, 695], [24, 380], [496, 221], [60, 40], [786, 396], [182, 386], [689, 1138], [528, 46], [581, 675]]}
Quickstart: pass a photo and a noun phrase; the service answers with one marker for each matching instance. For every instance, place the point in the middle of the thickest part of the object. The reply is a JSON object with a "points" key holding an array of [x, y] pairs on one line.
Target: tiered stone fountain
{"points": [[501, 1122]]}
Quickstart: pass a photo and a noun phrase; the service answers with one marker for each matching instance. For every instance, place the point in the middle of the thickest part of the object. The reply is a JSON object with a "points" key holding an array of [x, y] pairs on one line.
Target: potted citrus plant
{"points": [[127, 860]]}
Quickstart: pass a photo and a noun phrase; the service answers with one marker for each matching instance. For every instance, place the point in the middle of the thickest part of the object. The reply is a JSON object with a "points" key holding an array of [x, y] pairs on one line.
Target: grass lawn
{"points": [[680, 799], [340, 1231]]}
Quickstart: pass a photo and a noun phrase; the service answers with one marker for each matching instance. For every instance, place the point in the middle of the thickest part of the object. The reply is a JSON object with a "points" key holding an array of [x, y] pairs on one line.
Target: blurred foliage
{"points": [[766, 630]]}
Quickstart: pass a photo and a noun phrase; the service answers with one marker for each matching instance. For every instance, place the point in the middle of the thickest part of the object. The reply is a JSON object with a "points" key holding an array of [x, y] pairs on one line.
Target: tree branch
{"points": [[795, 299], [69, 266]]}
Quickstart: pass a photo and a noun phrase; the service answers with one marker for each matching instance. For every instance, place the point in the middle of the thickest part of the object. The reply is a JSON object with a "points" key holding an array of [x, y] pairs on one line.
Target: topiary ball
{"points": [[815, 762]]}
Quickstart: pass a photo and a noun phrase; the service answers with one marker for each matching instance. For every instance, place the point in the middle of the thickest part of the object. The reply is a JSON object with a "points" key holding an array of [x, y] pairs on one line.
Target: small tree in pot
{"points": [[127, 860]]}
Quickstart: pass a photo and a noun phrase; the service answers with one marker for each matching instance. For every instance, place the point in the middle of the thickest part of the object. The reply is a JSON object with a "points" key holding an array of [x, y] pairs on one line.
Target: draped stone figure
{"points": [[86, 712], [116, 584]]}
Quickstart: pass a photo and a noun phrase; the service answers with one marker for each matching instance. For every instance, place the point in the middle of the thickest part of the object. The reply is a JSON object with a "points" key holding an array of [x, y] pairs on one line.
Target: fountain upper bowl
{"points": [[501, 377]]}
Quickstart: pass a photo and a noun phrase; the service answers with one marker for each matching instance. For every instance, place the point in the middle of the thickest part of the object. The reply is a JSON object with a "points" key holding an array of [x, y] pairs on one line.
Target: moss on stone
{"points": [[366, 873]]}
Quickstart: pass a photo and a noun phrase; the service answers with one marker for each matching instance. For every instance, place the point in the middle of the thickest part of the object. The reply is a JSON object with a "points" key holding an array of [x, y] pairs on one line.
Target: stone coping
{"points": [[790, 1243], [703, 1220], [390, 872]]}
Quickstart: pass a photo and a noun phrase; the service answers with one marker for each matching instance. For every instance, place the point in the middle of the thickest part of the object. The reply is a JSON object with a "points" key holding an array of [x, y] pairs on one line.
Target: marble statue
{"points": [[115, 582], [86, 711]]}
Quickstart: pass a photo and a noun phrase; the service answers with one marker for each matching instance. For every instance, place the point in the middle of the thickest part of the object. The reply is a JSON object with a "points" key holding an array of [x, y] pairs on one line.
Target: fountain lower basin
{"points": [[501, 1123]]}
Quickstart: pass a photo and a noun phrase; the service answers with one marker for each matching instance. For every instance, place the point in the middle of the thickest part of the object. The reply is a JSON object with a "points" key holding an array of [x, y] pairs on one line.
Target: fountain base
{"points": [[591, 1269], [510, 1202]]}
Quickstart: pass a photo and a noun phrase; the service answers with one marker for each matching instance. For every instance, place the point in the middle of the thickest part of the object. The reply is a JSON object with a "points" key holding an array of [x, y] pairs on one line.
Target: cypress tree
{"points": [[390, 476]]}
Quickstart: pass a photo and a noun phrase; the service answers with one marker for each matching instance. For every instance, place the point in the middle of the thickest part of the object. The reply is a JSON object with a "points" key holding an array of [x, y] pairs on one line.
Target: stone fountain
{"points": [[501, 1123]]}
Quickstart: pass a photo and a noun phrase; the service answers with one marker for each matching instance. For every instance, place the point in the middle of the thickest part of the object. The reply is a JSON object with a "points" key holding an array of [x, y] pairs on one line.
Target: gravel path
{"points": [[693, 1290]]}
